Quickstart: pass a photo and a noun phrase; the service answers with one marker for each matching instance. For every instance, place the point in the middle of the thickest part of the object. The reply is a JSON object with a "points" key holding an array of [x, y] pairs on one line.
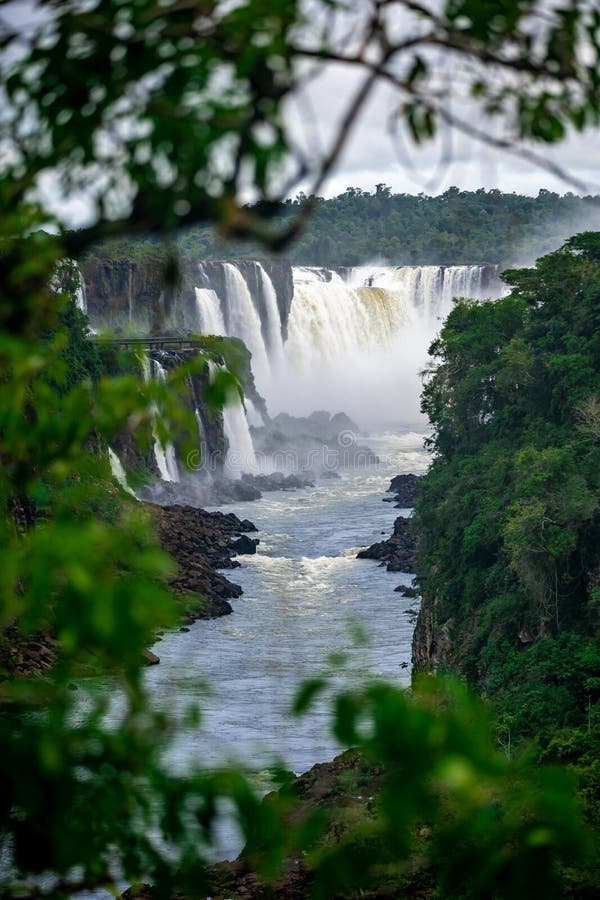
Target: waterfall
{"points": [[168, 465], [240, 452], [356, 337], [166, 461], [273, 323], [210, 317], [253, 415], [118, 472], [80, 295], [243, 321]]}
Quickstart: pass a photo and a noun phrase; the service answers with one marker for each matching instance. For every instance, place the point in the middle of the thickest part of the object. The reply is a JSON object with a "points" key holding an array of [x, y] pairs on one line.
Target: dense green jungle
{"points": [[132, 133], [452, 228]]}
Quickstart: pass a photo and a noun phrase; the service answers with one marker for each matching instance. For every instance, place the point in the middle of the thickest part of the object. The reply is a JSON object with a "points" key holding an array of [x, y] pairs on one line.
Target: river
{"points": [[305, 597]]}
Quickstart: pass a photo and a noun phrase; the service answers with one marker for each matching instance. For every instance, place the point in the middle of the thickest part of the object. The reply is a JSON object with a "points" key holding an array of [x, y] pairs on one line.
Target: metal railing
{"points": [[150, 343]]}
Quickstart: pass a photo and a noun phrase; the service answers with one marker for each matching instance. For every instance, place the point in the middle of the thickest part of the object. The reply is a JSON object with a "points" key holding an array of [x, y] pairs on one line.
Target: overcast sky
{"points": [[373, 156]]}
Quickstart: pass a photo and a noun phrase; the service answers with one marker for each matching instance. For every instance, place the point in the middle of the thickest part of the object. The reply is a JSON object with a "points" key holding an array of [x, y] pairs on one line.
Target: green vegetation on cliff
{"points": [[454, 228], [508, 516]]}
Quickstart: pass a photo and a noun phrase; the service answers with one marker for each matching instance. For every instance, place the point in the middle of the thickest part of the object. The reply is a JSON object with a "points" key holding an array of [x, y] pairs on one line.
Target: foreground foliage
{"points": [[161, 115]]}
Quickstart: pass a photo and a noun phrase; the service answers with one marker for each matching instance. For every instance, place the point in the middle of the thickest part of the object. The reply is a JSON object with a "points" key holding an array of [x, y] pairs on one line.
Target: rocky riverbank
{"points": [[340, 793], [201, 542], [404, 491], [397, 553]]}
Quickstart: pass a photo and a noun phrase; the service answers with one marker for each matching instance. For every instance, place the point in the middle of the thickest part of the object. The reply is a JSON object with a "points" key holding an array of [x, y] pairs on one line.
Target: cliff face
{"points": [[210, 439], [154, 294], [433, 649]]}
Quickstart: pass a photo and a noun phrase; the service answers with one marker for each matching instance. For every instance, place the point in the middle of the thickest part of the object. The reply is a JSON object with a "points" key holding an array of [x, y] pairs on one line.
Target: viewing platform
{"points": [[150, 343]]}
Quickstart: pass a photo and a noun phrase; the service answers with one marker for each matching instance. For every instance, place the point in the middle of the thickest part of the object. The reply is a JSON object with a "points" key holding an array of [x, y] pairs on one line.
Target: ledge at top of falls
{"points": [[126, 294]]}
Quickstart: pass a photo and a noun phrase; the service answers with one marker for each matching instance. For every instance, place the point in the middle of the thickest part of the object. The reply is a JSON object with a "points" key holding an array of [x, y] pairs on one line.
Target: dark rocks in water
{"points": [[244, 544], [150, 658], [246, 525], [276, 481], [404, 487], [399, 549], [200, 542], [231, 491], [407, 591]]}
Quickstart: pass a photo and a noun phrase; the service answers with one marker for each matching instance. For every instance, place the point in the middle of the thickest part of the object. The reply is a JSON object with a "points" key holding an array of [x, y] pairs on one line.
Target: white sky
{"points": [[372, 156]]}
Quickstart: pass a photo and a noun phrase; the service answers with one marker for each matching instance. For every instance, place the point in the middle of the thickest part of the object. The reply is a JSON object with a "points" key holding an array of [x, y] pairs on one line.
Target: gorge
{"points": [[350, 340]]}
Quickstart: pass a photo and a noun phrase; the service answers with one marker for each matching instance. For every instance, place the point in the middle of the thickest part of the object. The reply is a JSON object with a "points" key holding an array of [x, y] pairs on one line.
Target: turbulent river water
{"points": [[305, 597]]}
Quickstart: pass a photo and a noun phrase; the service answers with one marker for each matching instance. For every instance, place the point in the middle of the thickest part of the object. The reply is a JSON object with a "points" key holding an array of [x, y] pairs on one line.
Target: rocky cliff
{"points": [[146, 291]]}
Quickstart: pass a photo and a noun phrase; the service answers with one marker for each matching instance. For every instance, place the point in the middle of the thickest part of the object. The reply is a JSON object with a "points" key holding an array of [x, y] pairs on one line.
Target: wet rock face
{"points": [[398, 551], [404, 489], [201, 542], [244, 545]]}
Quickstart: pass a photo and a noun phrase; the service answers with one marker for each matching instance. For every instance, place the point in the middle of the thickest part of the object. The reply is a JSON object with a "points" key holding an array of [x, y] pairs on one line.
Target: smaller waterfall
{"points": [[274, 338], [240, 453], [254, 417], [118, 472], [208, 307], [169, 468], [165, 456], [80, 295], [243, 321]]}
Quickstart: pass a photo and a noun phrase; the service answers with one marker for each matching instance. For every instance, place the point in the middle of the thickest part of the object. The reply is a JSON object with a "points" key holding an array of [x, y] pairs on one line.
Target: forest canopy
{"points": [[454, 228]]}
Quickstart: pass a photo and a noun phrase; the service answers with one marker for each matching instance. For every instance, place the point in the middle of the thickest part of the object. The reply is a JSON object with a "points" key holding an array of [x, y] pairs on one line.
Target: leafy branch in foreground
{"points": [[164, 115]]}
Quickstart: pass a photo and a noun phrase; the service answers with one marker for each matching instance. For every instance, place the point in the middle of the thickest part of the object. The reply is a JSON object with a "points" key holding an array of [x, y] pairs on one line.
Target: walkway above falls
{"points": [[151, 343]]}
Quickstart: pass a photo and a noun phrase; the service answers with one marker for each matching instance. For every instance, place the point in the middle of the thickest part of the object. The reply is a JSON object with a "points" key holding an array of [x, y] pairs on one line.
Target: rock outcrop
{"points": [[404, 489], [398, 551], [276, 481], [201, 542], [313, 446]]}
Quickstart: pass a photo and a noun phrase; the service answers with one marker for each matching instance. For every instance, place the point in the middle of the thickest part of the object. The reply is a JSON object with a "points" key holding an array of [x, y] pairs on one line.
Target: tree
{"points": [[162, 113]]}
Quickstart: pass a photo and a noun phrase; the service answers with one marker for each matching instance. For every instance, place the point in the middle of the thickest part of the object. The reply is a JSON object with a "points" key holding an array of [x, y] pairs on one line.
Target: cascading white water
{"points": [[358, 338], [118, 472], [253, 416], [242, 320], [80, 295], [169, 461], [166, 461], [240, 452], [210, 317], [273, 323]]}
